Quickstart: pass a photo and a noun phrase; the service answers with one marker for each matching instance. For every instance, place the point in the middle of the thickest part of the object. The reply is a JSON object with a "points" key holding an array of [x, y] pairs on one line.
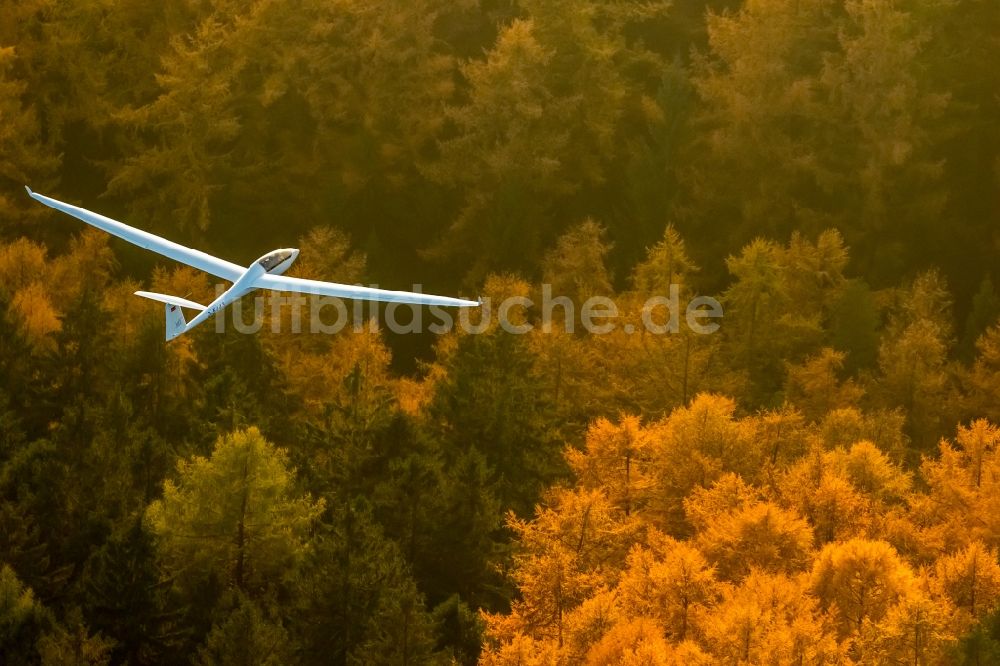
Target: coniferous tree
{"points": [[234, 516], [126, 600], [357, 602], [23, 620]]}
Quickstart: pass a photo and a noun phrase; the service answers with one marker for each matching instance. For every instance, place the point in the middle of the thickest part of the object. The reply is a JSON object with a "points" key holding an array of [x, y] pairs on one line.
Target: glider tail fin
{"points": [[175, 321], [176, 324]]}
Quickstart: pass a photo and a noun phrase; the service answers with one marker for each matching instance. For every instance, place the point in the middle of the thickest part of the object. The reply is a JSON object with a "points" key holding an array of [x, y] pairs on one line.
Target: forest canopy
{"points": [[814, 483]]}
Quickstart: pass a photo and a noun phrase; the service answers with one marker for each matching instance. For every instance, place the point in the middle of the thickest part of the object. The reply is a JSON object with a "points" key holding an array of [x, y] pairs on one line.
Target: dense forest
{"points": [[818, 482]]}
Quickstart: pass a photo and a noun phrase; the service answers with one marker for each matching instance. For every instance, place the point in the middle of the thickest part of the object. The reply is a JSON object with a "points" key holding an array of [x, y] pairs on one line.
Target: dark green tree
{"points": [[126, 600], [984, 313], [246, 637], [854, 325], [357, 603], [981, 645], [490, 399], [23, 620]]}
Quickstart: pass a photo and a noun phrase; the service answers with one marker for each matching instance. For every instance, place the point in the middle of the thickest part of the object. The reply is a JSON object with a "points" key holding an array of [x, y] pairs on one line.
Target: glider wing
{"points": [[285, 283], [195, 258]]}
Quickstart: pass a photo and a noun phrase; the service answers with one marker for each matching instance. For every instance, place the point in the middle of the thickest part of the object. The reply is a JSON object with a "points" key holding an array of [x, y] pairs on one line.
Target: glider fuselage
{"points": [[275, 262]]}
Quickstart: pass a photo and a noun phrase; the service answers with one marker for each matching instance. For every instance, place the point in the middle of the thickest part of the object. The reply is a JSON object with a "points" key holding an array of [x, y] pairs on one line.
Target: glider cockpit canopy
{"points": [[278, 260]]}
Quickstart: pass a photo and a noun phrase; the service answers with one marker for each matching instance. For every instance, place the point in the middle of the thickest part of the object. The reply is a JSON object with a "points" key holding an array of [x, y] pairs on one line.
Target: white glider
{"points": [[265, 273]]}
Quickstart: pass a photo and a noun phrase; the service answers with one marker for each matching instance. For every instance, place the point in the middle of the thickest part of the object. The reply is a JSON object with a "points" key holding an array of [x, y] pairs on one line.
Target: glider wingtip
{"points": [[30, 193]]}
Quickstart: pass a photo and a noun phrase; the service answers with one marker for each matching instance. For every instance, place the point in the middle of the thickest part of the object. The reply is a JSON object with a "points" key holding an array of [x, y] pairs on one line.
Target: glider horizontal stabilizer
{"points": [[170, 300], [172, 313]]}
